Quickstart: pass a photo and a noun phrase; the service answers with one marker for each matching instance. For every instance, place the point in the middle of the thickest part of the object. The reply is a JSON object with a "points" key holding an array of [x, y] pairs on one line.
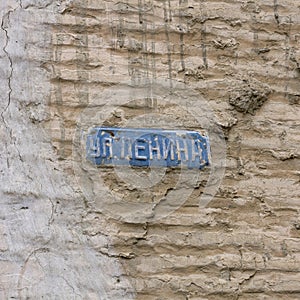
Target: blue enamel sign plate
{"points": [[147, 147]]}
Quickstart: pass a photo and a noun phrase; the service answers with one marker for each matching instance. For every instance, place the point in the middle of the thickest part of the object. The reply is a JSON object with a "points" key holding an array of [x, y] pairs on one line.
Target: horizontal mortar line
{"points": [[182, 270], [89, 82], [258, 272], [96, 13], [87, 29], [121, 51], [110, 78]]}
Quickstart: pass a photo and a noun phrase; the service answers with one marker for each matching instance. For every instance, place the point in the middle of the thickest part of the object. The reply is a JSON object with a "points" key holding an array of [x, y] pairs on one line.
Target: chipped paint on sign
{"points": [[147, 147]]}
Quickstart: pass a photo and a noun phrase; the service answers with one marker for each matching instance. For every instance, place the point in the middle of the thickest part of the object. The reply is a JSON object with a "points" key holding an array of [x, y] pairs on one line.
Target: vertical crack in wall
{"points": [[276, 15], [4, 27], [167, 19]]}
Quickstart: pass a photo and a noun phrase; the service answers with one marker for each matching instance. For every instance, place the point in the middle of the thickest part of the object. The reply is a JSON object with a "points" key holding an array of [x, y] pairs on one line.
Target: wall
{"points": [[72, 231]]}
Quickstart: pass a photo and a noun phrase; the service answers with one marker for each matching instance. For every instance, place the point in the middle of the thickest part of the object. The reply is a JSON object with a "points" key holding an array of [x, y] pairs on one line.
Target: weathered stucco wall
{"points": [[68, 65]]}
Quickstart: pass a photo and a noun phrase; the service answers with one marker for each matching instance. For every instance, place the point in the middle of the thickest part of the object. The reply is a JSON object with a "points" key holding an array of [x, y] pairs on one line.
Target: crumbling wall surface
{"points": [[44, 252], [67, 65]]}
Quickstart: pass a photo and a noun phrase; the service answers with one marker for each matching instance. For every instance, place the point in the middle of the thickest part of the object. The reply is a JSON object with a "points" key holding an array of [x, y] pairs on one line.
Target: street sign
{"points": [[147, 147]]}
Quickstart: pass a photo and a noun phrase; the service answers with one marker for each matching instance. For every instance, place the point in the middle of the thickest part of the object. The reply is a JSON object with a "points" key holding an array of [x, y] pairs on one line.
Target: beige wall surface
{"points": [[70, 230]]}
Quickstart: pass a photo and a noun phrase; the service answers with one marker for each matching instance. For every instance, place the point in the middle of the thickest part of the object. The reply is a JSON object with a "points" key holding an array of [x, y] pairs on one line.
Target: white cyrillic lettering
{"points": [[197, 153], [94, 149], [156, 149], [107, 143], [138, 147], [184, 150], [126, 150], [167, 148]]}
